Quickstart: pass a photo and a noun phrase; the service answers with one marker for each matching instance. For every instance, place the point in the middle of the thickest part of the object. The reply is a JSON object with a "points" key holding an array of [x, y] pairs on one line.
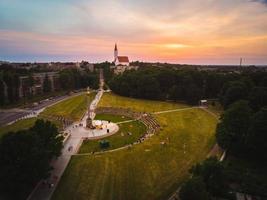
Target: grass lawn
{"points": [[19, 125], [150, 170], [120, 139], [112, 118], [72, 108], [110, 99]]}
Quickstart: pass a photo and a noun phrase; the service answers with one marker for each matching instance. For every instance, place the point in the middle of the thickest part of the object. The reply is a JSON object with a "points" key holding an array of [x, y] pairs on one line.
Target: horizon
{"points": [[203, 32]]}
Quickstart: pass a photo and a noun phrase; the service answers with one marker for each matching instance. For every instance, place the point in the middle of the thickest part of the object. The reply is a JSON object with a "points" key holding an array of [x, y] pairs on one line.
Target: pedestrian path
{"points": [[45, 189], [174, 110]]}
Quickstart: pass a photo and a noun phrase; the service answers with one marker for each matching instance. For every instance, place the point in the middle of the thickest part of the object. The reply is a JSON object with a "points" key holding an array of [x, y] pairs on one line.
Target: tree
{"points": [[213, 174], [25, 157], [46, 84], [31, 83], [194, 189], [235, 92], [48, 139], [258, 98], [231, 132], [2, 92], [257, 135], [192, 94]]}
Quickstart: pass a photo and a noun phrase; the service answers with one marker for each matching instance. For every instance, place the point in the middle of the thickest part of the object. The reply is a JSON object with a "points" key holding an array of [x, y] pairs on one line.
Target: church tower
{"points": [[115, 53]]}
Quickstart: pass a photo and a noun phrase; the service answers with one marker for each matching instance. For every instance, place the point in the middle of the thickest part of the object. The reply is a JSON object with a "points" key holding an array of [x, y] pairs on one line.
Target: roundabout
{"points": [[102, 128]]}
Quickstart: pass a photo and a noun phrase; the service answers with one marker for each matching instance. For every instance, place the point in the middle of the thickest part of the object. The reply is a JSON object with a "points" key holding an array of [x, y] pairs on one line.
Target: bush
{"points": [[104, 144]]}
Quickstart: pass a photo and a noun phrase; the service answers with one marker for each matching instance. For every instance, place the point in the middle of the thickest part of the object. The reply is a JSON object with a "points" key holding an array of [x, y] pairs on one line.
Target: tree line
{"points": [[189, 85], [242, 132], [75, 79], [69, 79]]}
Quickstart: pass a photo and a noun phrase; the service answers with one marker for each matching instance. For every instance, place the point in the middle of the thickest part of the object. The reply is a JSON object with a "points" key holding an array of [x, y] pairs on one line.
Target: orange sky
{"points": [[192, 31]]}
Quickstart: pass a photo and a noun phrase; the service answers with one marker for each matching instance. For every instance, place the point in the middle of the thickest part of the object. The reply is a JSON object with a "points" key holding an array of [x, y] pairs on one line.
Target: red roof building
{"points": [[120, 60]]}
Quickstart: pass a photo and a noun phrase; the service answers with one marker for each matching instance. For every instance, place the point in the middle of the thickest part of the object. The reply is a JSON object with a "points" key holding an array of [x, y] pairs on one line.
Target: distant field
{"points": [[121, 138], [19, 125], [151, 170], [72, 108], [110, 99]]}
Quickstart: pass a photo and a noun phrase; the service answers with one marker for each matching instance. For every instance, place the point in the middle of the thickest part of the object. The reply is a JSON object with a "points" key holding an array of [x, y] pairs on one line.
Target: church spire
{"points": [[115, 52]]}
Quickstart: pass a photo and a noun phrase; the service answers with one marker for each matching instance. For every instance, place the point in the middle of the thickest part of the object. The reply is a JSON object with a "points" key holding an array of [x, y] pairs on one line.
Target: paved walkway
{"points": [[174, 110], [71, 147]]}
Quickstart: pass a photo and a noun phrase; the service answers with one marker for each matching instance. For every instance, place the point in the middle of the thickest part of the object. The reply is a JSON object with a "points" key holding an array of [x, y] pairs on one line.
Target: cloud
{"points": [[149, 29], [262, 1]]}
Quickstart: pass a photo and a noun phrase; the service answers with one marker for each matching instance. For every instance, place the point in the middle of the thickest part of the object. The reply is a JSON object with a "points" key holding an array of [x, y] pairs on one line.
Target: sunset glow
{"points": [[192, 31]]}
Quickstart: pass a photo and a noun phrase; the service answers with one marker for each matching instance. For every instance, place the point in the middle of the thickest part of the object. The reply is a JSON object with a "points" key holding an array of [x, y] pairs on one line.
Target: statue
{"points": [[89, 123], [88, 90], [89, 120]]}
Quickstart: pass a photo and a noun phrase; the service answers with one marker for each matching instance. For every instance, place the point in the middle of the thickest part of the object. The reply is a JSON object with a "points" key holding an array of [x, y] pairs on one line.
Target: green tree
{"points": [[231, 132], [31, 83], [257, 135], [213, 174], [235, 92], [194, 189], [258, 98], [2, 92], [46, 84], [25, 158]]}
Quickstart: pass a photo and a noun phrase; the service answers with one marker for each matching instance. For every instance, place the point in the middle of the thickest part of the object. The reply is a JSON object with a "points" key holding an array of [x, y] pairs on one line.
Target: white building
{"points": [[121, 63], [120, 60]]}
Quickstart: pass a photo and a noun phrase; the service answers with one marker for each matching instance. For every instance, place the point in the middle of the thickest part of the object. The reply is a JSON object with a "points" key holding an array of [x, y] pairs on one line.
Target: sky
{"points": [[175, 31]]}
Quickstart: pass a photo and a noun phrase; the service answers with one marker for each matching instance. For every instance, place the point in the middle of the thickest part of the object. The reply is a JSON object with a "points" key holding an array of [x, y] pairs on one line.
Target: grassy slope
{"points": [[19, 125], [72, 108], [149, 170], [110, 99], [117, 140]]}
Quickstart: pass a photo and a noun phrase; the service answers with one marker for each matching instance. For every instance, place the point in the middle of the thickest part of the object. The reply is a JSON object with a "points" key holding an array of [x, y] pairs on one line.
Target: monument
{"points": [[89, 123], [88, 91]]}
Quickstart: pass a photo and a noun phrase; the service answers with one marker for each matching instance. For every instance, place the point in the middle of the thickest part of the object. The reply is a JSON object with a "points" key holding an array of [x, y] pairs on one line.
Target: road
{"points": [[11, 115], [71, 146]]}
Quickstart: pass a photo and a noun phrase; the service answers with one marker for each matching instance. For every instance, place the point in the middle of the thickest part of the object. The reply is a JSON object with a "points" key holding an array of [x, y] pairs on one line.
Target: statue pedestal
{"points": [[89, 123]]}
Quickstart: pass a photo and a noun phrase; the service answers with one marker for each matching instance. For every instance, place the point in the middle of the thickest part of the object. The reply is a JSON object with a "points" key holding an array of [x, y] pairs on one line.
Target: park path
{"points": [[174, 110], [44, 191]]}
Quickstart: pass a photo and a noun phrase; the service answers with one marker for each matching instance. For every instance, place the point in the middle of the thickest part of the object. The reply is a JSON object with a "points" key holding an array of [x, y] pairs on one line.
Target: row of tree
{"points": [[9, 94], [25, 158], [242, 131], [208, 181], [69, 79], [188, 85], [75, 79]]}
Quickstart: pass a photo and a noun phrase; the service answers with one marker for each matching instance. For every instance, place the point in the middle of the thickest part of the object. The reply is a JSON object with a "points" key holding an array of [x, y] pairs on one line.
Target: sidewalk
{"points": [[43, 191]]}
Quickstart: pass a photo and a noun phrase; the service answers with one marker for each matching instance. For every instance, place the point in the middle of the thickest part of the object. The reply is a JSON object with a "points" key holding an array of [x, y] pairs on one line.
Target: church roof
{"points": [[123, 59]]}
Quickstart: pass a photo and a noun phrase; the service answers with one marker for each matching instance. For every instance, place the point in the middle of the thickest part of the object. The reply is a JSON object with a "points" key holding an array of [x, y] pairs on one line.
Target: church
{"points": [[120, 60]]}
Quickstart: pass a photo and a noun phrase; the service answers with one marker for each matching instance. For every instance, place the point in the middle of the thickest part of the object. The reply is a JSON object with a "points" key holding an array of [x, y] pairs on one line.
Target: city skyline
{"points": [[190, 32]]}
